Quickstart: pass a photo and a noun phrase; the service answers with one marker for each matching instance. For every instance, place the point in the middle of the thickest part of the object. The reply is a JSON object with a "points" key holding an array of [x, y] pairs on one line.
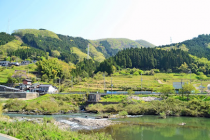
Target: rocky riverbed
{"points": [[92, 122], [69, 124]]}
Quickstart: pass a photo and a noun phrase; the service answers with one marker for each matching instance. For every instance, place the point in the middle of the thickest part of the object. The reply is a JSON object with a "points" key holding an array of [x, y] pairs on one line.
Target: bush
{"points": [[163, 115], [123, 113]]}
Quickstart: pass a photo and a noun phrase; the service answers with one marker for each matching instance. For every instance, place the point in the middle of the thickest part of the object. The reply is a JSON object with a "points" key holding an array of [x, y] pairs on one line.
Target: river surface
{"points": [[146, 127]]}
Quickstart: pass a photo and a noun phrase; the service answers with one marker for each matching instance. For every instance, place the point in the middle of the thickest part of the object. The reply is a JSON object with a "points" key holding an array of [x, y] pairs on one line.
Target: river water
{"points": [[147, 127]]}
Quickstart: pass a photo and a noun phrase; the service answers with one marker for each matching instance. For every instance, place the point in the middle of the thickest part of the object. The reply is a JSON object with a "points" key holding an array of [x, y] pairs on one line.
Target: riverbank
{"points": [[44, 128], [168, 107]]}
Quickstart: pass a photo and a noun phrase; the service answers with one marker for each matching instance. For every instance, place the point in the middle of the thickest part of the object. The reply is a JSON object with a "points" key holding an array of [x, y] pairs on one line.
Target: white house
{"points": [[48, 89]]}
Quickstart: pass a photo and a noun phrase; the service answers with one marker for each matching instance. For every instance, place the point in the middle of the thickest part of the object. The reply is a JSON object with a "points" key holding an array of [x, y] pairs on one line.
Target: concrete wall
{"points": [[22, 95]]}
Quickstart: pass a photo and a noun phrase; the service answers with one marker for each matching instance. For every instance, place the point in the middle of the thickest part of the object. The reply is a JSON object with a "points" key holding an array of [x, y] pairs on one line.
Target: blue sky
{"points": [[151, 20]]}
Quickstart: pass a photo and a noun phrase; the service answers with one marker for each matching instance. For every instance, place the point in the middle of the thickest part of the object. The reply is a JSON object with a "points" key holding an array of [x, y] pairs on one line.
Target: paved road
{"points": [[6, 137]]}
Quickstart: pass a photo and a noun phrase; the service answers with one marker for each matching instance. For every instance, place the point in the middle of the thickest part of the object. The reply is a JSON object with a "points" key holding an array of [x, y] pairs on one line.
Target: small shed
{"points": [[94, 97], [177, 86]]}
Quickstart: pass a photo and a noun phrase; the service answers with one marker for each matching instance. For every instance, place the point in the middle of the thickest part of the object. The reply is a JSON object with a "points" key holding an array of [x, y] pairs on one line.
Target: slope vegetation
{"points": [[145, 43], [43, 33], [198, 46]]}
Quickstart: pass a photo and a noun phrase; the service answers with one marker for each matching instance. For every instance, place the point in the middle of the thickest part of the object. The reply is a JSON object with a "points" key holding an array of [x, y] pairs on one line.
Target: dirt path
{"points": [[160, 82]]}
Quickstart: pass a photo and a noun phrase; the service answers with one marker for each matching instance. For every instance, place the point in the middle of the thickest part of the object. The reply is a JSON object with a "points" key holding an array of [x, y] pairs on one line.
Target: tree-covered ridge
{"points": [[5, 38], [50, 45], [145, 43], [146, 59], [29, 52], [198, 46], [35, 32], [85, 68]]}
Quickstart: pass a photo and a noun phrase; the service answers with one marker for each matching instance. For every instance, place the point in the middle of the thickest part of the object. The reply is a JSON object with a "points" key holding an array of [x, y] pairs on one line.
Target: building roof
{"points": [[28, 80], [178, 85], [11, 88]]}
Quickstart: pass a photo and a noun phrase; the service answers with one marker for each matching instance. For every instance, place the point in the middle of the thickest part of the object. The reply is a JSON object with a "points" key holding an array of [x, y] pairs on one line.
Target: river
{"points": [[146, 127]]}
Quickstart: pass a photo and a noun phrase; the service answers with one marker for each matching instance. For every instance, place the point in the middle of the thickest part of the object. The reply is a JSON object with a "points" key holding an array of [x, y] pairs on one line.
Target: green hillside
{"points": [[41, 32], [119, 43], [79, 53], [110, 46], [145, 43], [198, 46], [98, 56]]}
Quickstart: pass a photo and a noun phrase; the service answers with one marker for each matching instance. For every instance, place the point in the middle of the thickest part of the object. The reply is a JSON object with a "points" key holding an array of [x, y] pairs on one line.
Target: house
{"points": [[208, 86], [48, 89], [177, 86], [4, 63], [25, 62], [26, 84], [14, 63]]}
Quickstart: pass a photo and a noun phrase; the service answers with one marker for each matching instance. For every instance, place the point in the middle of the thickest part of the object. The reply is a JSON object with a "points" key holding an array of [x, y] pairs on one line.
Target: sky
{"points": [[155, 21]]}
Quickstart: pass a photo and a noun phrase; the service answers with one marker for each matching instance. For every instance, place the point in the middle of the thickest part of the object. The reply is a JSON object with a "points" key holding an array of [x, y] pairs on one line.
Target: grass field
{"points": [[5, 72], [134, 81]]}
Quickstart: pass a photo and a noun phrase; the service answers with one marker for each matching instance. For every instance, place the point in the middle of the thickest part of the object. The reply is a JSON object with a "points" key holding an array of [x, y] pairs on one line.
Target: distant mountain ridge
{"points": [[50, 41], [145, 43], [198, 46]]}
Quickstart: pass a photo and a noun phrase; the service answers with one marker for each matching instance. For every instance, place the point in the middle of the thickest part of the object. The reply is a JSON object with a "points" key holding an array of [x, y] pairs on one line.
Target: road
{"points": [[6, 137]]}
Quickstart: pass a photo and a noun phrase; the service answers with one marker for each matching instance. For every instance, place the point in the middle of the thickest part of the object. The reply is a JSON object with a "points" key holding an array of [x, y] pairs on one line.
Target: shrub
{"points": [[123, 113], [163, 115]]}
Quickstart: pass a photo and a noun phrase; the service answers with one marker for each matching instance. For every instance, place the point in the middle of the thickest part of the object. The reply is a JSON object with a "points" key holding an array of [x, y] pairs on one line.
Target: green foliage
{"points": [[46, 131], [148, 58], [47, 104], [184, 68], [85, 68], [145, 43], [51, 68], [5, 38], [123, 113], [170, 106], [165, 90], [37, 33], [163, 115], [130, 92], [198, 46]]}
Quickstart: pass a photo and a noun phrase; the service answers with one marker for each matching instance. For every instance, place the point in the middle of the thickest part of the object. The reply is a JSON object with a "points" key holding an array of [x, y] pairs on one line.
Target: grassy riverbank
{"points": [[47, 104], [46, 131], [197, 105]]}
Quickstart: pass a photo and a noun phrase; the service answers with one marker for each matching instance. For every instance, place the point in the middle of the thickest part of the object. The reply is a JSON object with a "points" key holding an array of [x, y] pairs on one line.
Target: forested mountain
{"points": [[198, 46], [5, 38], [73, 47], [145, 43], [146, 59]]}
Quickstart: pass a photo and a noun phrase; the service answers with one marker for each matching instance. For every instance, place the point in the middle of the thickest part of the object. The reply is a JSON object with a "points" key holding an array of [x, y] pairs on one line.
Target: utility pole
{"points": [[72, 82], [141, 80], [190, 75], [59, 84], [104, 83], [111, 85]]}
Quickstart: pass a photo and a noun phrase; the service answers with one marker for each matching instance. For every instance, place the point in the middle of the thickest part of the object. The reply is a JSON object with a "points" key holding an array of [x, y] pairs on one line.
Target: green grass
{"points": [[46, 131], [44, 33], [11, 70], [98, 56], [121, 82], [78, 52], [47, 104]]}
